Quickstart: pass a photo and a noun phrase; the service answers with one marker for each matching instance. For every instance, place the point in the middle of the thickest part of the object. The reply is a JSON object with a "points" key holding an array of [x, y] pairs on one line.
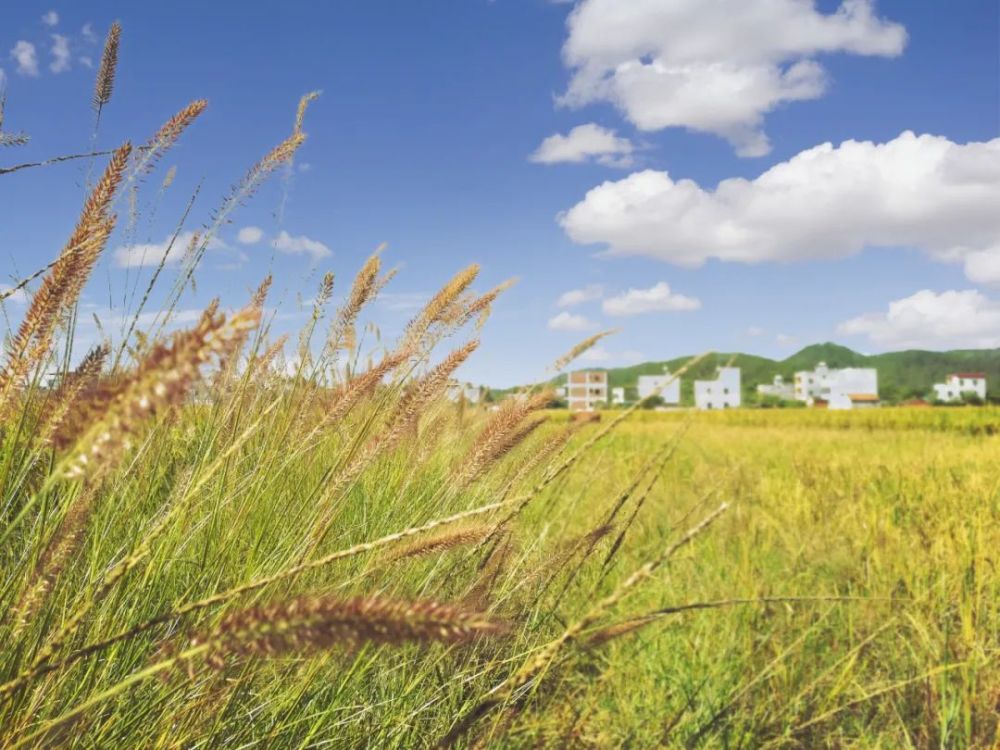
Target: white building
{"points": [[587, 390], [835, 387], [618, 396], [668, 386], [472, 394], [958, 384], [778, 389], [721, 393]]}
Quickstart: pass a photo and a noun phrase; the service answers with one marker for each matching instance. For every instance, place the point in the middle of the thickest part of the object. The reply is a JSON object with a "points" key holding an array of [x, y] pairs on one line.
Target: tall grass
{"points": [[205, 544]]}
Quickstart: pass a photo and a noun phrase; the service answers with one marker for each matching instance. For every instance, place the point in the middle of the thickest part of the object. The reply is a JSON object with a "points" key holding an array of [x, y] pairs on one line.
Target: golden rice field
{"points": [[212, 535]]}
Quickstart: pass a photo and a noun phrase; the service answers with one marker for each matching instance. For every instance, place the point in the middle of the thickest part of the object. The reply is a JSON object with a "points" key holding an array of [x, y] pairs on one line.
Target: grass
{"points": [[205, 542]]}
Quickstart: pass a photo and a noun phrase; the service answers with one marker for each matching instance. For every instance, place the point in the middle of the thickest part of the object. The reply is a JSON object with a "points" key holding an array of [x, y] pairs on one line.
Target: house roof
{"points": [[863, 397], [975, 375]]}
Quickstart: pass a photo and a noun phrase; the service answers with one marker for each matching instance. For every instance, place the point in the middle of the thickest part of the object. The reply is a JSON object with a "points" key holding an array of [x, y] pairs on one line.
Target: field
{"points": [[213, 535]]}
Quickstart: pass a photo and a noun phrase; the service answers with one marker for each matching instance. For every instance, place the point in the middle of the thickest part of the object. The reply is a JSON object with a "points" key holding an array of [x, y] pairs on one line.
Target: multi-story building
{"points": [[587, 390], [835, 386], [957, 385], [778, 389], [668, 386], [721, 393]]}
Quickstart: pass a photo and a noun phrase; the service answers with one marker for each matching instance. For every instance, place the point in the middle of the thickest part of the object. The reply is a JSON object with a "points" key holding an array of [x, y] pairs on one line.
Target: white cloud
{"points": [[931, 320], [285, 243], [88, 33], [601, 355], [783, 339], [60, 54], [86, 61], [755, 331], [249, 235], [566, 321], [150, 254], [3, 78], [826, 202], [20, 296], [658, 298], [597, 354], [584, 143], [715, 66], [26, 57], [577, 296], [403, 301], [51, 18]]}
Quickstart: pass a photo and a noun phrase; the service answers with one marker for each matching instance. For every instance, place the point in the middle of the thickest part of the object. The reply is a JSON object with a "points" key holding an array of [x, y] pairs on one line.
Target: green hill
{"points": [[901, 375]]}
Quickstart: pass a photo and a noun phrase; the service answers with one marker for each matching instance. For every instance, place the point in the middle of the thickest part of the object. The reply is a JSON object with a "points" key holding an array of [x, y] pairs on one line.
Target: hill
{"points": [[901, 375]]}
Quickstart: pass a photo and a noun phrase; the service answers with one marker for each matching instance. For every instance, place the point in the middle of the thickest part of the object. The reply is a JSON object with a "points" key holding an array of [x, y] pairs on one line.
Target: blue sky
{"points": [[431, 112]]}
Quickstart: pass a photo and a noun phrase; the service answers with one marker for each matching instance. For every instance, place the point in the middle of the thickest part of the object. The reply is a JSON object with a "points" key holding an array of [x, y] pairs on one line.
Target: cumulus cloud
{"points": [[578, 296], [658, 298], [88, 33], [715, 66], [26, 57], [599, 354], [152, 253], [60, 54], [249, 235], [301, 245], [585, 143], [51, 18], [914, 191], [566, 321], [931, 320]]}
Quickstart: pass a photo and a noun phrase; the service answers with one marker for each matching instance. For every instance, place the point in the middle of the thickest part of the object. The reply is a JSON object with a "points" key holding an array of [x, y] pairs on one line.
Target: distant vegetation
{"points": [[901, 375]]}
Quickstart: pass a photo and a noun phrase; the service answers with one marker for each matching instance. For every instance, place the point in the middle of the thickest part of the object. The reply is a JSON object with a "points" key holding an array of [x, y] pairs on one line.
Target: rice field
{"points": [[212, 535]]}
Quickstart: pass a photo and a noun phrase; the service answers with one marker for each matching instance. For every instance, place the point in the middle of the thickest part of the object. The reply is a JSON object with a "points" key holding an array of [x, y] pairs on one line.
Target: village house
{"points": [[721, 393], [618, 396], [778, 389], [666, 385], [587, 390], [957, 385], [468, 392], [844, 388]]}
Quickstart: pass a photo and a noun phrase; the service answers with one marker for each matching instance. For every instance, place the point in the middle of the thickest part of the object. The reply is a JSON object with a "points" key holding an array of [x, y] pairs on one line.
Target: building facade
{"points": [[778, 389], [618, 396], [587, 390], [836, 386], [721, 393], [957, 385], [669, 387]]}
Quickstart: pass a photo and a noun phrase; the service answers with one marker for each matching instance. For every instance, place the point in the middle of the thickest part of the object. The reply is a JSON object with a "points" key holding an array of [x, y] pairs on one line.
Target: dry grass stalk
{"points": [[402, 422], [260, 294], [588, 343], [61, 549], [480, 307], [162, 381], [308, 625], [43, 664], [362, 291], [441, 303], [167, 136], [504, 431], [105, 83], [61, 287], [442, 542], [300, 113], [540, 662], [265, 361], [168, 179], [82, 378], [363, 386]]}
